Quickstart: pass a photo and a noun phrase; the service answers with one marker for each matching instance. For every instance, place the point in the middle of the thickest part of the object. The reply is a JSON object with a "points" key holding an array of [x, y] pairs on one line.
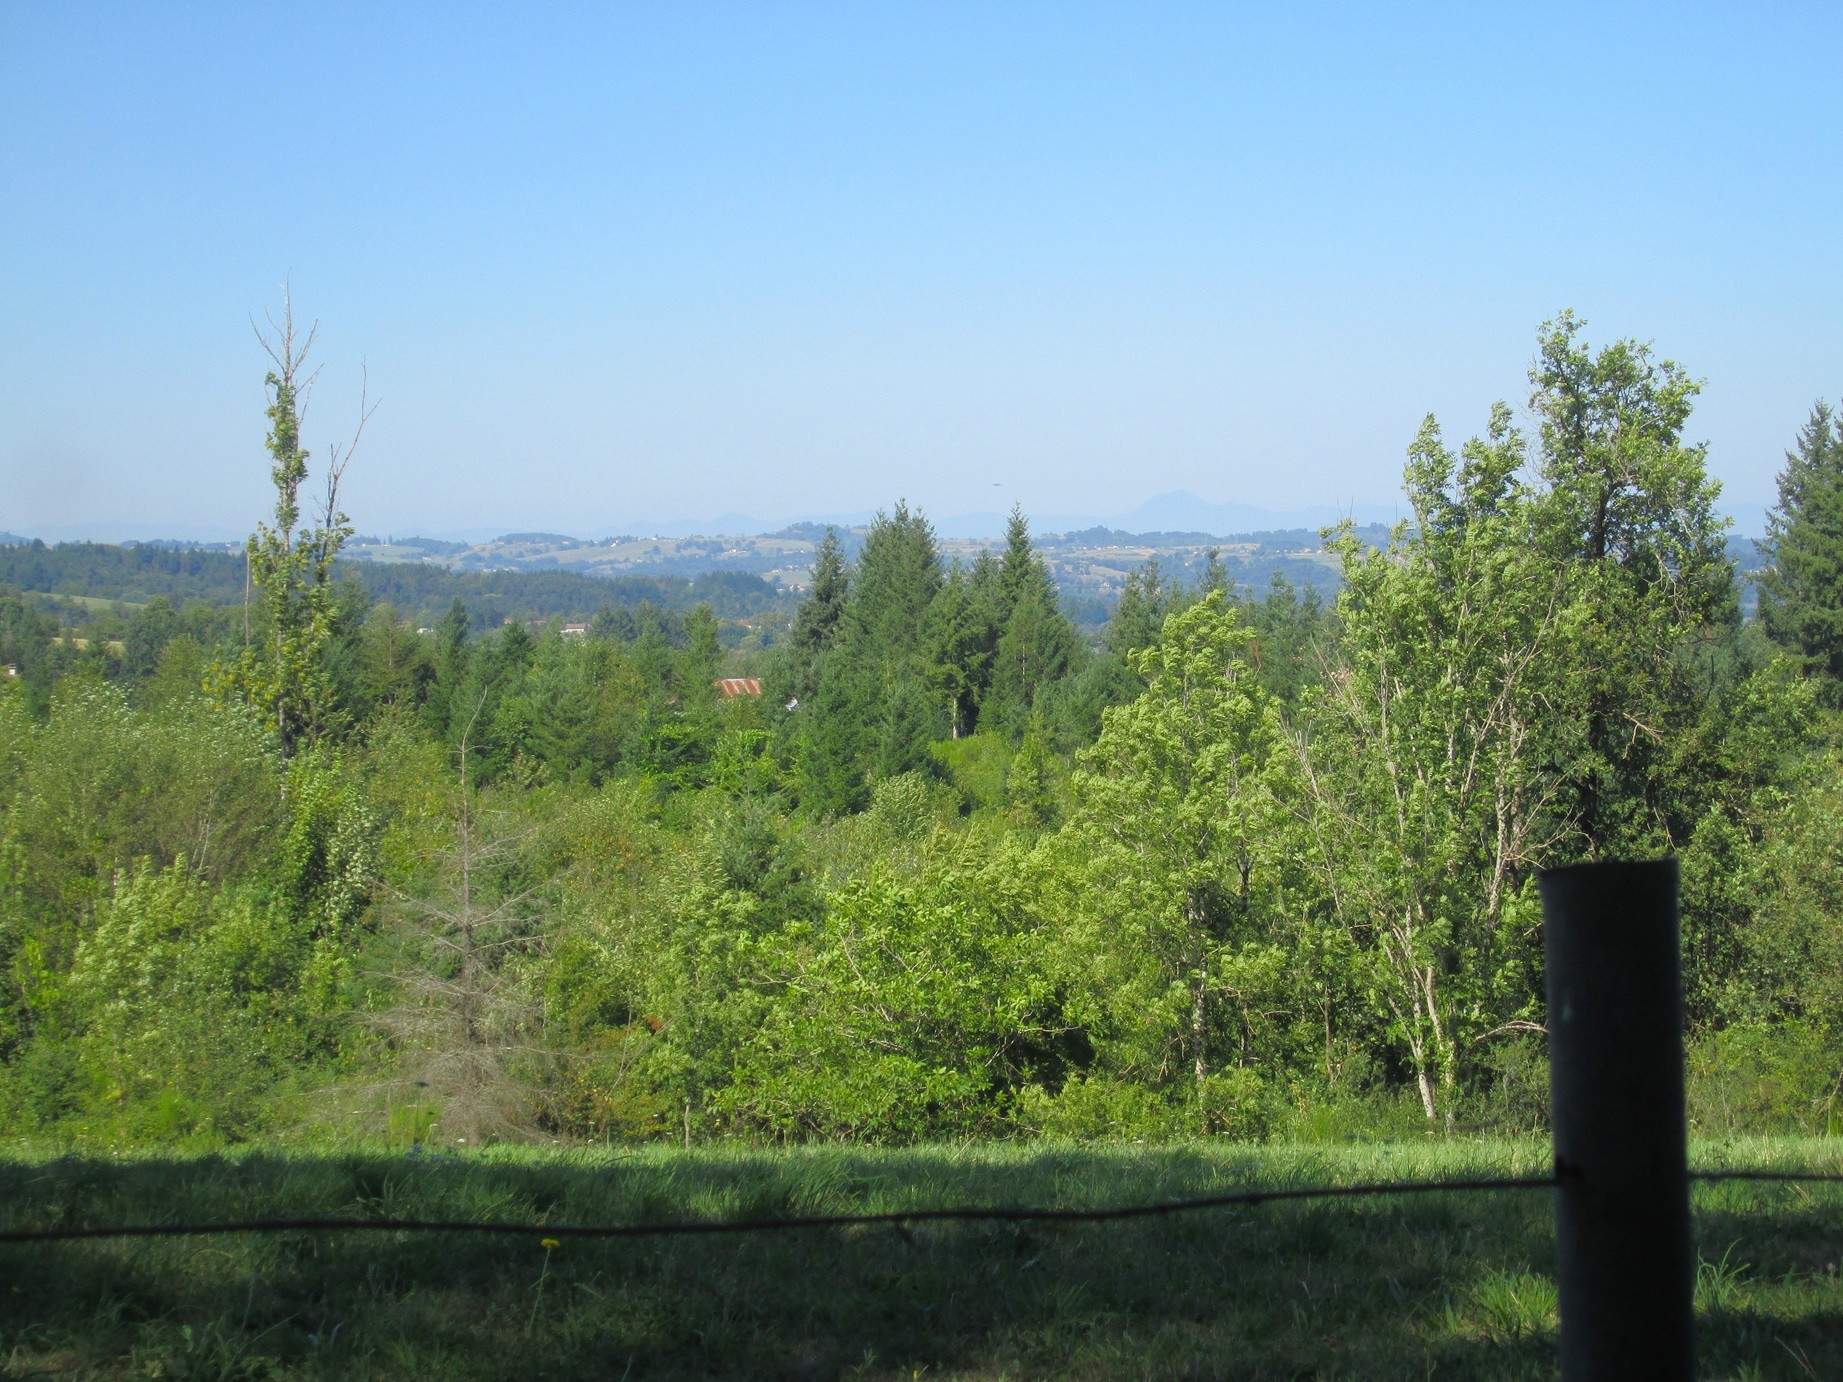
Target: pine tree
{"points": [[451, 663], [958, 664], [898, 575], [1140, 612], [1036, 643], [1801, 589], [871, 699], [702, 657], [816, 622], [1215, 575], [1020, 569]]}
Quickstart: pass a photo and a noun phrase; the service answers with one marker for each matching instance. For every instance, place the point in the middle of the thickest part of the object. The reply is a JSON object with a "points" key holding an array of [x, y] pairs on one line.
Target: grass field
{"points": [[1448, 1286]]}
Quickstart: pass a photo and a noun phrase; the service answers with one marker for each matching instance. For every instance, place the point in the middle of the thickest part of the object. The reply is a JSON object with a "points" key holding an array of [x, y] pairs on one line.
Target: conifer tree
{"points": [[1215, 575], [959, 649], [816, 622], [1036, 643], [1801, 589], [1140, 613], [870, 707], [1019, 569]]}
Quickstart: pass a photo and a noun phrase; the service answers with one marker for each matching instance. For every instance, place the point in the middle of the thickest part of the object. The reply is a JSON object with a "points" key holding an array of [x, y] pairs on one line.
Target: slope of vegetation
{"points": [[1246, 867], [1246, 864]]}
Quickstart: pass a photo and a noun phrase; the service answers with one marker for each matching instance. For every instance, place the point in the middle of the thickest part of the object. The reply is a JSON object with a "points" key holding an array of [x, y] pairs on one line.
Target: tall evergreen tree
{"points": [[898, 575], [961, 642], [871, 704], [1036, 644], [1290, 626], [1020, 569], [1215, 575], [816, 622], [1801, 589], [1144, 602]]}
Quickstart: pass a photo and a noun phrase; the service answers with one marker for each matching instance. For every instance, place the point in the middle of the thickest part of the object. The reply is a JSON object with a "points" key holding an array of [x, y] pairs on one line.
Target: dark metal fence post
{"points": [[1625, 1264]]}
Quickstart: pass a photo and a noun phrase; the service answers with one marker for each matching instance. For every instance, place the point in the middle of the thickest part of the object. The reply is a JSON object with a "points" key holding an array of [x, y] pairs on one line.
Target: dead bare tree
{"points": [[468, 1035]]}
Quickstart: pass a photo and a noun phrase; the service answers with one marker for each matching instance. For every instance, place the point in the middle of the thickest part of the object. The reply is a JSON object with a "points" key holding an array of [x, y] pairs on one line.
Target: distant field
{"points": [[1086, 565], [1454, 1286]]}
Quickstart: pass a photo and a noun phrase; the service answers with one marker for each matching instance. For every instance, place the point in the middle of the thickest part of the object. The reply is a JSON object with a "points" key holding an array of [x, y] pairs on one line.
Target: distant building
{"points": [[575, 630], [731, 687]]}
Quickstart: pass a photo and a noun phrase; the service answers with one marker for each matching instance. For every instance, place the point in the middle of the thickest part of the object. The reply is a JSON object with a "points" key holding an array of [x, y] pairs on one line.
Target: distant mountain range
{"points": [[1172, 512]]}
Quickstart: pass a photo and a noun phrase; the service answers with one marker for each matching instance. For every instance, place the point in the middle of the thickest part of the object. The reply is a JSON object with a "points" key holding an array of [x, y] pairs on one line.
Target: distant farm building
{"points": [[575, 630], [731, 687]]}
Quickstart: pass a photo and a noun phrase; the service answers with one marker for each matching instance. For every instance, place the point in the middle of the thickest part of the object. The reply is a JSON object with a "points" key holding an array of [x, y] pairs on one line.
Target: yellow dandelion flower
{"points": [[548, 1243]]}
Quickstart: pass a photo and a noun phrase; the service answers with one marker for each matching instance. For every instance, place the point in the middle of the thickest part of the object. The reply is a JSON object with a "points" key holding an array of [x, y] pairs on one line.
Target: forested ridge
{"points": [[136, 574], [1254, 863]]}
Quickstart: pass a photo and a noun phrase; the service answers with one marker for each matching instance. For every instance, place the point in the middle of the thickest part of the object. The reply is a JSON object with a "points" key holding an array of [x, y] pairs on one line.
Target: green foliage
{"points": [[909, 1014], [1179, 830], [284, 674], [1249, 867], [1801, 587], [1627, 523], [1783, 1077], [976, 765]]}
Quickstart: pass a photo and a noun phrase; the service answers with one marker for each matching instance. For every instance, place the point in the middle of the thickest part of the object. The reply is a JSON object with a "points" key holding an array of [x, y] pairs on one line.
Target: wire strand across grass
{"points": [[970, 1213], [997, 1213]]}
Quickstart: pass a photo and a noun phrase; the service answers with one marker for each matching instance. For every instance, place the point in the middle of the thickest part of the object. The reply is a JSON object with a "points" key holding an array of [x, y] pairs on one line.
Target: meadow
{"points": [[1448, 1286]]}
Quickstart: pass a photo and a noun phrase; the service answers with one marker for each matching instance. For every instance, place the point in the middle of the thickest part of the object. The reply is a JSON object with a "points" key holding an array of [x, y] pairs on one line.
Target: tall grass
{"points": [[1450, 1286]]}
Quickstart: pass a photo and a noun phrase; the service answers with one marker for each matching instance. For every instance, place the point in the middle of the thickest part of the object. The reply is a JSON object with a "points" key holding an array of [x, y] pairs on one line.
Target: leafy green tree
{"points": [[1801, 588], [1424, 796], [284, 673], [1628, 515], [911, 1012], [1179, 830]]}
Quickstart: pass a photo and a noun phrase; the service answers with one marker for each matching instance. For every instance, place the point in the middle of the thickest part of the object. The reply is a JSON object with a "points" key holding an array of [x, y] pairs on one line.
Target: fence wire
{"points": [[900, 1218]]}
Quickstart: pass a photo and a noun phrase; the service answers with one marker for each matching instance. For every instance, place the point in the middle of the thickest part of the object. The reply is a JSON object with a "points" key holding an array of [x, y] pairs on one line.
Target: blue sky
{"points": [[615, 264]]}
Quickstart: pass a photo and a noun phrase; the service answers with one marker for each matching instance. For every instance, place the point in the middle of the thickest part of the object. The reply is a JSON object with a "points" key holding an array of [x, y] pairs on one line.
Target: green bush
{"points": [[976, 765], [1098, 1107], [1765, 1078], [1235, 1103]]}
